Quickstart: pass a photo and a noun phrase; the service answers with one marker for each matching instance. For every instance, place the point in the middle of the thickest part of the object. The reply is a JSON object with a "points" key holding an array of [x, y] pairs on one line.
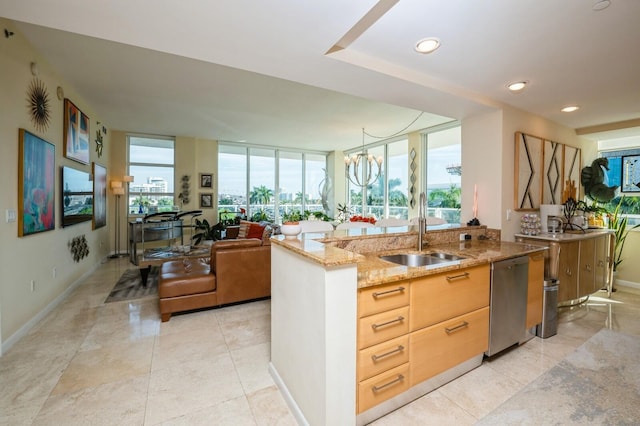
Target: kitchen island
{"points": [[329, 291]]}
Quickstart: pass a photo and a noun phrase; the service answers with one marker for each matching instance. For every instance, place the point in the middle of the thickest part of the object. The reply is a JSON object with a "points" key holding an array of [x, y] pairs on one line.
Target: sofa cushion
{"points": [[255, 231], [244, 229], [173, 284]]}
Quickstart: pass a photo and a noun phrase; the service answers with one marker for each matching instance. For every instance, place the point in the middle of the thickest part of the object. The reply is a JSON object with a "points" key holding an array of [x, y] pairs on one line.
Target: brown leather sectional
{"points": [[237, 271]]}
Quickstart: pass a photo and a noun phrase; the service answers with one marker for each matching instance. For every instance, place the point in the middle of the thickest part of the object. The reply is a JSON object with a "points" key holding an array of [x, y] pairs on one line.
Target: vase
{"points": [[290, 231]]}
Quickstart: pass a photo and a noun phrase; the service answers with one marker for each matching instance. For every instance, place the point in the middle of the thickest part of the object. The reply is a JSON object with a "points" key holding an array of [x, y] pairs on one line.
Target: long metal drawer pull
{"points": [[376, 326], [400, 348], [457, 327], [382, 293], [456, 277], [386, 385]]}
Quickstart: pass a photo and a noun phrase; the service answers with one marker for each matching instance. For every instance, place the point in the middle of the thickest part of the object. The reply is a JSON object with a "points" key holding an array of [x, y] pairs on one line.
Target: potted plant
{"points": [[291, 224], [619, 225], [205, 232]]}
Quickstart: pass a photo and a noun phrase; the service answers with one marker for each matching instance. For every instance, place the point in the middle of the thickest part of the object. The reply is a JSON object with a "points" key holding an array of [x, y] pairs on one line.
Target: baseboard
{"points": [[629, 284], [295, 410], [24, 330]]}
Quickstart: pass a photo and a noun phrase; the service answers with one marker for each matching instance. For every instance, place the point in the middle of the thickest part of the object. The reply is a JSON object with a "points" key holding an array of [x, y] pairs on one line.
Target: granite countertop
{"points": [[323, 248], [568, 236]]}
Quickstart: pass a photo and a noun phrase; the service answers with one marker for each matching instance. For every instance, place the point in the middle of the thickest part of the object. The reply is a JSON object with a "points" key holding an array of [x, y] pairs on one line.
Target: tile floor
{"points": [[117, 364]]}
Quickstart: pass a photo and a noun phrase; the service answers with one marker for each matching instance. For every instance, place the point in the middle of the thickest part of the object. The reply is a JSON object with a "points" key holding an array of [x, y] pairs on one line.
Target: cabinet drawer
{"points": [[379, 388], [376, 359], [382, 298], [377, 328], [437, 348], [447, 295]]}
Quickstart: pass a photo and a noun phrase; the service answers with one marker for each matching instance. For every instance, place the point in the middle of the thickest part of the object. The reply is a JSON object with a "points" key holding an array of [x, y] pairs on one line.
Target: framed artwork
{"points": [[99, 195], [630, 173], [75, 133], [206, 180], [528, 171], [36, 184], [206, 200]]}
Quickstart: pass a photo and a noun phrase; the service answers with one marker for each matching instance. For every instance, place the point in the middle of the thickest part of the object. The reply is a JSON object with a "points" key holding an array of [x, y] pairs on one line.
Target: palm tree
{"points": [[261, 195], [445, 198]]}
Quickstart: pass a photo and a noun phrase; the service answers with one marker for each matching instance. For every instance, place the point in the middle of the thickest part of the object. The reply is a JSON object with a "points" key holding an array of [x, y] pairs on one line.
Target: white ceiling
{"points": [[258, 71]]}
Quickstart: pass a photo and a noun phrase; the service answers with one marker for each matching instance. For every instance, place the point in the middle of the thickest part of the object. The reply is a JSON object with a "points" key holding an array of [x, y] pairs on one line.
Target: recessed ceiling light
{"points": [[517, 86], [570, 108], [427, 45], [601, 5]]}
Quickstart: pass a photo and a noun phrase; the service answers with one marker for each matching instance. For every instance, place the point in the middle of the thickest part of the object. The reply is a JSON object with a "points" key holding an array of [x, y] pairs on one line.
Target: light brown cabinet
{"points": [[535, 289], [415, 329]]}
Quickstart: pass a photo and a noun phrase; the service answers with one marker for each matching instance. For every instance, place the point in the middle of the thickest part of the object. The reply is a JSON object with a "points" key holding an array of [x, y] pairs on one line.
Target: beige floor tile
{"points": [[252, 365], [198, 343], [432, 409], [191, 386], [480, 390], [241, 332], [20, 414], [235, 412], [522, 363], [105, 365], [116, 403], [269, 408]]}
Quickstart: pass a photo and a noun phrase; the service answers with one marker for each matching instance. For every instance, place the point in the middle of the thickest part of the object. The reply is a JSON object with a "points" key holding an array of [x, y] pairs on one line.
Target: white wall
{"points": [[33, 257]]}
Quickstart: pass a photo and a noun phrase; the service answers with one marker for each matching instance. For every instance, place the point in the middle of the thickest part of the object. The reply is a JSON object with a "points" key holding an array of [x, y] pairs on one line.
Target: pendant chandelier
{"points": [[372, 167]]}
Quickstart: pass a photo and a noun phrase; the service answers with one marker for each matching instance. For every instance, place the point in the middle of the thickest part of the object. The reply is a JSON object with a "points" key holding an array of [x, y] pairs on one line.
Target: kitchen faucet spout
{"points": [[421, 219]]}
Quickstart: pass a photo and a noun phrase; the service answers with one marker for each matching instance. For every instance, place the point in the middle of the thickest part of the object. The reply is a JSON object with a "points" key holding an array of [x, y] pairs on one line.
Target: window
{"points": [[387, 196], [151, 163], [268, 182], [444, 171]]}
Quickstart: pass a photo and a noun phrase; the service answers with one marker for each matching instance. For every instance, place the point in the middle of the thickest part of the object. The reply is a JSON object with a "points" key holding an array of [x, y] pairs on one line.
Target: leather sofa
{"points": [[237, 271]]}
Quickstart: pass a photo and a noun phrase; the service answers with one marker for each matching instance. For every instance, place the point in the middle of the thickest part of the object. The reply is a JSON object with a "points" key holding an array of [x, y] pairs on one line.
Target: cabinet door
{"points": [[568, 271], [587, 274], [602, 266], [382, 298], [535, 289], [443, 296], [377, 328], [440, 347]]}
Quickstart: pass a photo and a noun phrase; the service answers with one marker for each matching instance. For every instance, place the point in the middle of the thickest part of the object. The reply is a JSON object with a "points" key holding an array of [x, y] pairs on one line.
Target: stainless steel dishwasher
{"points": [[508, 311]]}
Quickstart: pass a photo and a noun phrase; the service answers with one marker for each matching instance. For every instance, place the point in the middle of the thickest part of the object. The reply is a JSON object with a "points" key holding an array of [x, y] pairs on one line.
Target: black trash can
{"points": [[549, 325]]}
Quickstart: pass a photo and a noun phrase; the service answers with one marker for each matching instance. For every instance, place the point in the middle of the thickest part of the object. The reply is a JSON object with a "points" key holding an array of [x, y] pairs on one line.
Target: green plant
{"points": [[260, 216], [205, 231], [292, 216], [619, 224]]}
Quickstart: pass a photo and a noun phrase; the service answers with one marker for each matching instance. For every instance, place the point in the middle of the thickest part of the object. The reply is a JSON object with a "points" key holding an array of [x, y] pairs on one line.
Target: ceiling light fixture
{"points": [[368, 163], [601, 5], [517, 86], [427, 45], [570, 108]]}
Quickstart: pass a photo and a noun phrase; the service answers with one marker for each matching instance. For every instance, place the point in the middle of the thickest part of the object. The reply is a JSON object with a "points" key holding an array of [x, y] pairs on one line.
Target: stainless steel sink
{"points": [[446, 256], [413, 259], [421, 259]]}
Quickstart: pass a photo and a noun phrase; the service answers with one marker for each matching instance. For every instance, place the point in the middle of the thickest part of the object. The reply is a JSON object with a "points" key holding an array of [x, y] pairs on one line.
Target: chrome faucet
{"points": [[421, 219]]}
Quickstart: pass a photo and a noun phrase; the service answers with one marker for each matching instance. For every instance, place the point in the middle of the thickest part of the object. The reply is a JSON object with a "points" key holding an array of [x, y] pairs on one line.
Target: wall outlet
{"points": [[54, 272], [463, 237], [11, 215], [508, 214], [33, 286]]}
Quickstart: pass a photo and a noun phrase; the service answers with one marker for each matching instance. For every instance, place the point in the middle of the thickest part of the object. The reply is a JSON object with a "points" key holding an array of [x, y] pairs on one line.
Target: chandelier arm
{"points": [[395, 134]]}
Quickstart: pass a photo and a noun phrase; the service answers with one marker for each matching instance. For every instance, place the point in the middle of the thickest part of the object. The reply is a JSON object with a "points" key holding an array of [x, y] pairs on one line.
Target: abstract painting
{"points": [[99, 196], [36, 184], [76, 133]]}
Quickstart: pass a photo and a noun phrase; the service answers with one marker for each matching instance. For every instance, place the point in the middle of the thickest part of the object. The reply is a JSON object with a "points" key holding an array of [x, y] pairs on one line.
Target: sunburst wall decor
{"points": [[38, 103]]}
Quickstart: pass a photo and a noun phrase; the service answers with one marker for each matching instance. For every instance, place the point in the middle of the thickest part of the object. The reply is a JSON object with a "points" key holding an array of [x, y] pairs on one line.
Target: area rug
{"points": [[129, 286], [598, 383]]}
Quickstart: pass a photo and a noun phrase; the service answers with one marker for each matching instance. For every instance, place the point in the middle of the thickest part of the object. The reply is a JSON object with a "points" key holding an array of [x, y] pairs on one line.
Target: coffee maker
{"points": [[551, 210]]}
